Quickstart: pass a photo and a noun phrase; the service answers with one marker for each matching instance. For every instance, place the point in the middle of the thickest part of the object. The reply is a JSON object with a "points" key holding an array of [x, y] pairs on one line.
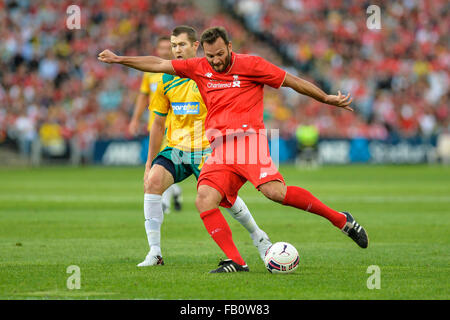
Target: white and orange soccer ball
{"points": [[281, 257]]}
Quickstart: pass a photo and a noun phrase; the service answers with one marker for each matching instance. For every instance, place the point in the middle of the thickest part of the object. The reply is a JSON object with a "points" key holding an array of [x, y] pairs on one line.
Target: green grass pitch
{"points": [[92, 217]]}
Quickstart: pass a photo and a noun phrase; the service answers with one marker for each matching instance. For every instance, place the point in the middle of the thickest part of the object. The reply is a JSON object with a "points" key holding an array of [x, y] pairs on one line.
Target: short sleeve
{"points": [[267, 73], [159, 103], [186, 68], [145, 89]]}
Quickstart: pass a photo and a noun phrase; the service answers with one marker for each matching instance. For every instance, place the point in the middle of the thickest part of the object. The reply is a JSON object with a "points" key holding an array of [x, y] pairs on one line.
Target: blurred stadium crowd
{"points": [[52, 86], [398, 75]]}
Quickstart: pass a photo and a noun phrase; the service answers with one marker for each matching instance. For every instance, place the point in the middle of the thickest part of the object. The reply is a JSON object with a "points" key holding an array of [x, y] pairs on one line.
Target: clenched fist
{"points": [[108, 57]]}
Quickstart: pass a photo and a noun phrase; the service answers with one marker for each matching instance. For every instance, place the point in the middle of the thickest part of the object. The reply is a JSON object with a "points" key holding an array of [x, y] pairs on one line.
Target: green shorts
{"points": [[181, 164]]}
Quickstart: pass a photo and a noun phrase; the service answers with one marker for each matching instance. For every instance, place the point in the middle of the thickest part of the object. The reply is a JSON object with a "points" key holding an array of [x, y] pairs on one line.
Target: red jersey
{"points": [[234, 97]]}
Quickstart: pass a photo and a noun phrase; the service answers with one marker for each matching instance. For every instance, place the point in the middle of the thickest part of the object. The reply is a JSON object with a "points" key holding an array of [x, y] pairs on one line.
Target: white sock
{"points": [[166, 198], [176, 190], [153, 220], [171, 191], [240, 212]]}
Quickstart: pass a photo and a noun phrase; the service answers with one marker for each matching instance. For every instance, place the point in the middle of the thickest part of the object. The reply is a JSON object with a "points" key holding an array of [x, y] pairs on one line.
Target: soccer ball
{"points": [[281, 257]]}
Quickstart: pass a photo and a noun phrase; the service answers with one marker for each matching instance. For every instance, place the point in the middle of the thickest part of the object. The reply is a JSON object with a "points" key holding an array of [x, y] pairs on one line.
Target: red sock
{"points": [[220, 231], [303, 199]]}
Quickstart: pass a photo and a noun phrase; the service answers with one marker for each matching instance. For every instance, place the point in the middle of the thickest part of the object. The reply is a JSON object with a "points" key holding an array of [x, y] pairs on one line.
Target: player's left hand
{"points": [[340, 100]]}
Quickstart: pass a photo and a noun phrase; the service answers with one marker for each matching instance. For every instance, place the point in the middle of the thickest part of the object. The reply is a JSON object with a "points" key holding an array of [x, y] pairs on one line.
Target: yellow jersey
{"points": [[179, 99], [149, 84]]}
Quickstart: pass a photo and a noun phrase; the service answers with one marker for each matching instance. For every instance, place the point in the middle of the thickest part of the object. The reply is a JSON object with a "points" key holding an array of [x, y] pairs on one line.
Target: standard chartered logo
{"points": [[212, 85], [221, 85]]}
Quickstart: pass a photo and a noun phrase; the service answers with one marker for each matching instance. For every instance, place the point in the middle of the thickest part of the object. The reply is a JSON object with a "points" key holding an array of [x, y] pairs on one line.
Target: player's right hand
{"points": [[146, 173], [133, 127], [108, 56]]}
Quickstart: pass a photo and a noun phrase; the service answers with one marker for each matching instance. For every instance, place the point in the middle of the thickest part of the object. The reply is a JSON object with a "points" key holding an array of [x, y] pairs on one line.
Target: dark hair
{"points": [[210, 35], [190, 32], [162, 38]]}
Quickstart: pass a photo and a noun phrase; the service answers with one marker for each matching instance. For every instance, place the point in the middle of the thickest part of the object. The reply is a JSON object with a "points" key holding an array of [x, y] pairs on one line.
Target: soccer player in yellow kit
{"points": [[149, 84], [179, 100]]}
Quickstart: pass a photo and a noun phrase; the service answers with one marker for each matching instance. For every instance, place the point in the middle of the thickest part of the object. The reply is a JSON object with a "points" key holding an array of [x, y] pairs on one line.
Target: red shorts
{"points": [[236, 160]]}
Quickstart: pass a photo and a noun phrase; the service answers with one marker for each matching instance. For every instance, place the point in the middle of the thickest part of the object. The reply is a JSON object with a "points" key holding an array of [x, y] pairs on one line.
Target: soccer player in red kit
{"points": [[232, 88]]}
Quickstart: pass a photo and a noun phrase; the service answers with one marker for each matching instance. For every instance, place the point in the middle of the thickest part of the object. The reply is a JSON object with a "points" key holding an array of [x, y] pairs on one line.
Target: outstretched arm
{"points": [[307, 88], [143, 63]]}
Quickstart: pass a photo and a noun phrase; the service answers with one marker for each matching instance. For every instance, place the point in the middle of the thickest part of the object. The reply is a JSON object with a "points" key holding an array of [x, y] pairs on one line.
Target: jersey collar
{"points": [[230, 66]]}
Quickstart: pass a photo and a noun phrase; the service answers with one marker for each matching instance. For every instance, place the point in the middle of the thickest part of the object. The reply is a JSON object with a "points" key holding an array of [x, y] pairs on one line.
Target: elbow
{"points": [[159, 126]]}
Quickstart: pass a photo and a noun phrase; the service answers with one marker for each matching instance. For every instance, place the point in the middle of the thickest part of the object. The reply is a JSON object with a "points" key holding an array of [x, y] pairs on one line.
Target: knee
{"points": [[275, 191], [201, 201], [206, 201], [154, 185]]}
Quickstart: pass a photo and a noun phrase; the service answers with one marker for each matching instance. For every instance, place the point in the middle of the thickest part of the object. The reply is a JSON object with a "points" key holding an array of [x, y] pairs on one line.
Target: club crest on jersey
{"points": [[181, 108], [236, 82]]}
